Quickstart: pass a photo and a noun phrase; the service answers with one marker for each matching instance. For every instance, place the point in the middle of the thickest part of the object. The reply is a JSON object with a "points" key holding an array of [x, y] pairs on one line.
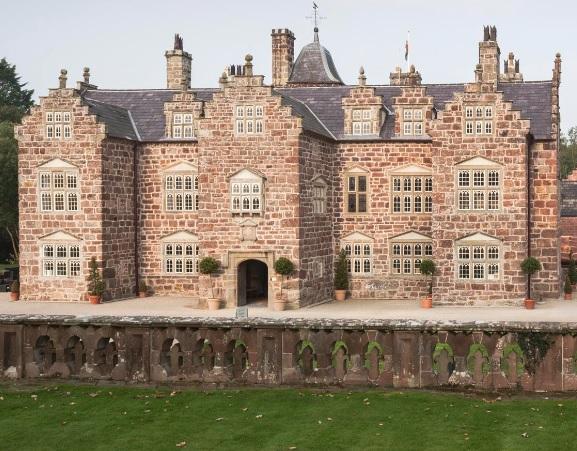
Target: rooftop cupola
{"points": [[314, 66], [178, 66]]}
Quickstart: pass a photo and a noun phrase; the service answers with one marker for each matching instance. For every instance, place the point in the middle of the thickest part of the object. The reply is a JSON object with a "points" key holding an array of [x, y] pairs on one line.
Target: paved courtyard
{"points": [[550, 311]]}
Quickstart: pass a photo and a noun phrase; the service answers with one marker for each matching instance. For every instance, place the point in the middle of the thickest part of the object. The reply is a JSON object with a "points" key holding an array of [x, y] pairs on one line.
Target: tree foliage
{"points": [[15, 102], [568, 153], [341, 272]]}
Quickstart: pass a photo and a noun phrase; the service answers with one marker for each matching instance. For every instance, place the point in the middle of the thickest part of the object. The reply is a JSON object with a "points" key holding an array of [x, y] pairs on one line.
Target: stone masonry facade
{"points": [[150, 181]]}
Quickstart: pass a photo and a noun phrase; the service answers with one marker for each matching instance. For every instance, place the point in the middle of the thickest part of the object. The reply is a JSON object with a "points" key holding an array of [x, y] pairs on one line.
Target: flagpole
{"points": [[408, 50]]}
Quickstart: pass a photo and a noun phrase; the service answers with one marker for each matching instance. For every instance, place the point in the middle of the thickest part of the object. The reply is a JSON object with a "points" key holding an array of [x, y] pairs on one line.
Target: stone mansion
{"points": [[149, 181]]}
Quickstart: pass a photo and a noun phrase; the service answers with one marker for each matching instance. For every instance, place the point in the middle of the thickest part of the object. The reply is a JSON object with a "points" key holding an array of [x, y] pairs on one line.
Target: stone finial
{"points": [[557, 69], [362, 77], [86, 75], [62, 79], [479, 73], [223, 80], [248, 65]]}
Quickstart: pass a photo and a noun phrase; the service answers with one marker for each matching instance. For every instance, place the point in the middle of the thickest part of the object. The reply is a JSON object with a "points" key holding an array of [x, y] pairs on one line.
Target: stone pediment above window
{"points": [[247, 174], [57, 163], [356, 170], [478, 162], [358, 237], [181, 236], [182, 166], [59, 236], [411, 236], [412, 169], [319, 180], [478, 237]]}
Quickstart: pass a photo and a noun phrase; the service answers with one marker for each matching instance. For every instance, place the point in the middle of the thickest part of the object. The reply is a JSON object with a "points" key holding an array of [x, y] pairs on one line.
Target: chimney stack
{"points": [[489, 56], [283, 52], [400, 78], [511, 71], [178, 66]]}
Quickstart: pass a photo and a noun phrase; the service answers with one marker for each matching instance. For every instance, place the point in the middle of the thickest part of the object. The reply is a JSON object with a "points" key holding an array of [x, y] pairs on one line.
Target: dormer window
{"points": [[246, 193], [182, 126], [412, 124], [249, 119], [362, 122]]}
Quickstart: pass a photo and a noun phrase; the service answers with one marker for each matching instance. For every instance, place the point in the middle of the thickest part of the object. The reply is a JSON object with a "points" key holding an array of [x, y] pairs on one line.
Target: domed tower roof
{"points": [[314, 66]]}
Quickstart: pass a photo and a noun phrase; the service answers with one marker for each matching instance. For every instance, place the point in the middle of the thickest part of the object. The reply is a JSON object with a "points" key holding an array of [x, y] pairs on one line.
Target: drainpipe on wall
{"points": [[529, 141], [135, 215]]}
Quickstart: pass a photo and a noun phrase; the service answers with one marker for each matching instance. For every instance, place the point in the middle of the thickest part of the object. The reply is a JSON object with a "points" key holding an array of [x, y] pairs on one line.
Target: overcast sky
{"points": [[123, 41]]}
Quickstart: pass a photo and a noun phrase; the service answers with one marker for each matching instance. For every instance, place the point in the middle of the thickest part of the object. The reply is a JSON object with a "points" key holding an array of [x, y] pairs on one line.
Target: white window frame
{"points": [[477, 253], [411, 186], [359, 250], [182, 126], [64, 254], [475, 179], [53, 191], [319, 196], [413, 121], [58, 124], [409, 250], [175, 195], [362, 122], [246, 191], [180, 255], [249, 119], [479, 120]]}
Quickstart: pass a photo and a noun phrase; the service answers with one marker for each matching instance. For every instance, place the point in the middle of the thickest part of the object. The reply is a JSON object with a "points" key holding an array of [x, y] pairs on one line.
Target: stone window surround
{"points": [[181, 169], [71, 261], [70, 186], [482, 241], [182, 125], [356, 172], [412, 120], [188, 257], [248, 119], [412, 173], [411, 239], [319, 195], [58, 124], [478, 125], [360, 254], [362, 121], [486, 167], [255, 182]]}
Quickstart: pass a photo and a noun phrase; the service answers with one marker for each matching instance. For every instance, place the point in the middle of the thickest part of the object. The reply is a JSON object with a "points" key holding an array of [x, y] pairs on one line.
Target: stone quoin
{"points": [[150, 181]]}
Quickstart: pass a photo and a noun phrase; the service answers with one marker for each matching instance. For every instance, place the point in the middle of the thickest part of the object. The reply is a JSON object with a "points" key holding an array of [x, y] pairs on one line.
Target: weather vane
{"points": [[316, 17]]}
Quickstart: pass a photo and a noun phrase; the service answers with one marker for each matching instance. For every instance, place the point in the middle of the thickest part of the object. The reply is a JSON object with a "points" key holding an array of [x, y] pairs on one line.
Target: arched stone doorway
{"points": [[252, 281]]}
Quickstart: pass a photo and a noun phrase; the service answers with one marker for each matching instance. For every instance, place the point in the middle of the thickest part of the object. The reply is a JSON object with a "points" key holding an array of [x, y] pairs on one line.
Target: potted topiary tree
{"points": [[341, 277], [567, 288], [284, 267], [572, 271], [95, 283], [428, 268], [15, 291], [530, 266], [142, 289], [209, 266]]}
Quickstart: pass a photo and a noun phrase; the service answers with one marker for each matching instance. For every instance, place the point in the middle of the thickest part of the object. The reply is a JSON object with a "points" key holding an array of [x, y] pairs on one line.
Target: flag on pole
{"points": [[407, 47]]}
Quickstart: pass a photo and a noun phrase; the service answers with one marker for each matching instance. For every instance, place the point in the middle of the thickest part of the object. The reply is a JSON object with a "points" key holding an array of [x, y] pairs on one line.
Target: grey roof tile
{"points": [[315, 65], [568, 198]]}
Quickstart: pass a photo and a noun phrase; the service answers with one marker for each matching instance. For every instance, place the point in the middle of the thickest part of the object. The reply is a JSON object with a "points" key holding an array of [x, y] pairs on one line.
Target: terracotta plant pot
{"points": [[14, 296], [142, 294], [94, 299], [340, 295], [568, 296], [427, 302], [279, 306], [214, 304], [530, 304]]}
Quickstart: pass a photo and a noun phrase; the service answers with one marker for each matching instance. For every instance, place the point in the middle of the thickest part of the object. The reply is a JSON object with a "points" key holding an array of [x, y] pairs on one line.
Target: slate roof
{"points": [[568, 198], [139, 114], [315, 65]]}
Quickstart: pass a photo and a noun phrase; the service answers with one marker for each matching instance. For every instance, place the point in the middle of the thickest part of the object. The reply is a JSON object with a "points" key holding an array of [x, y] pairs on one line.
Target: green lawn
{"points": [[117, 418]]}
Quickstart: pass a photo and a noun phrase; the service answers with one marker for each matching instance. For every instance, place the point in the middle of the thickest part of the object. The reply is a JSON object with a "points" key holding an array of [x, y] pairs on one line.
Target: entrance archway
{"points": [[252, 282]]}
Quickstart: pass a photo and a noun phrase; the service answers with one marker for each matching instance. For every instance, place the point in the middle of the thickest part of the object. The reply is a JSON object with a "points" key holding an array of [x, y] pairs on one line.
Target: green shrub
{"points": [[142, 286], [95, 283], [567, 288], [428, 268], [341, 272], [284, 266], [530, 266], [209, 266]]}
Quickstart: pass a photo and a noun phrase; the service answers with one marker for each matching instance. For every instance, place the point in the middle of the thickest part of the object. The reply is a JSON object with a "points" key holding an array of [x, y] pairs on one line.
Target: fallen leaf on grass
{"points": [[93, 395], [258, 416], [181, 445], [524, 434], [219, 419]]}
